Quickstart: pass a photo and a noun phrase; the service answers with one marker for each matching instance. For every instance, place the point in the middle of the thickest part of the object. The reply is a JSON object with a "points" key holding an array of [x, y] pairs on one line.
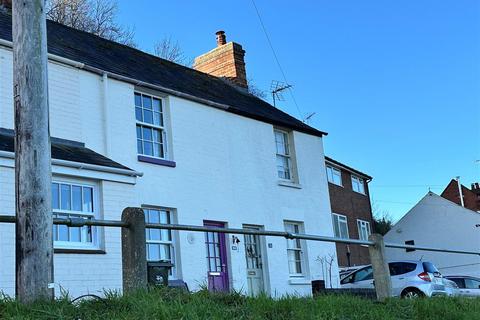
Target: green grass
{"points": [[173, 304]]}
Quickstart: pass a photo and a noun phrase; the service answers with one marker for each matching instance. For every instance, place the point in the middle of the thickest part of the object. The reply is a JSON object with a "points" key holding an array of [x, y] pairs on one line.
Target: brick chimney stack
{"points": [[225, 61]]}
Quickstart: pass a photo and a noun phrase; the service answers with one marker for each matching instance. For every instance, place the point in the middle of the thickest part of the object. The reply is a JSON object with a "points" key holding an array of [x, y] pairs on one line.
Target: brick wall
{"points": [[353, 205], [225, 61], [471, 199]]}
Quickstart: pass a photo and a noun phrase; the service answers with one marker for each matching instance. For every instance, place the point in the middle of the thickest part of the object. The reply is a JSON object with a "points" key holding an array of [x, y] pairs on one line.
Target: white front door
{"points": [[253, 255]]}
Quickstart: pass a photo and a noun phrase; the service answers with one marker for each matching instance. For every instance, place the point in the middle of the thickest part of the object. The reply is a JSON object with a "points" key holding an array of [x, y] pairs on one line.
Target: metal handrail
{"points": [[79, 222]]}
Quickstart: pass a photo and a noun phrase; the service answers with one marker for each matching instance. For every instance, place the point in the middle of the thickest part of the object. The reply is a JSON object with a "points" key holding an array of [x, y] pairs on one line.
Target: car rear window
{"points": [[459, 281], [398, 268], [429, 267]]}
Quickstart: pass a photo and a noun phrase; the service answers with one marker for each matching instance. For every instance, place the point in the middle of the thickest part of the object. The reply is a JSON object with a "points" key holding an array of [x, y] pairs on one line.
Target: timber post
{"points": [[34, 243]]}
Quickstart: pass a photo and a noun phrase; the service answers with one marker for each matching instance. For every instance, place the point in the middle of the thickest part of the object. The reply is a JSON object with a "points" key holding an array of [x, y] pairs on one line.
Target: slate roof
{"points": [[129, 62], [64, 150], [364, 175]]}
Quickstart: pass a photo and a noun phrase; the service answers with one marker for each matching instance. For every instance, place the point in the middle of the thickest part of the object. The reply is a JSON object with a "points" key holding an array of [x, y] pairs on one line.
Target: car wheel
{"points": [[412, 293]]}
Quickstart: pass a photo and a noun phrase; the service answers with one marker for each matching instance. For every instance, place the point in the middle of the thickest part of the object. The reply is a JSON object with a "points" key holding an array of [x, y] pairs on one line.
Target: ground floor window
{"points": [[74, 200], [295, 250], [160, 244]]}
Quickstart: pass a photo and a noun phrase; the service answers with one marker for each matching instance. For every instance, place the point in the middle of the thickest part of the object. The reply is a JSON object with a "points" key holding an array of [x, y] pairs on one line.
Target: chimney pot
{"points": [[221, 38]]}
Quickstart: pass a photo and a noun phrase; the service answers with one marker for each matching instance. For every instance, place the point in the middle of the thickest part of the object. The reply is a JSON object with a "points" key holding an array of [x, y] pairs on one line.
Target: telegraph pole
{"points": [[34, 243]]}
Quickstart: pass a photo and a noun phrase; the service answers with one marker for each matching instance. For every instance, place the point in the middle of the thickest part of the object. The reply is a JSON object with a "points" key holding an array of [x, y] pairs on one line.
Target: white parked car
{"points": [[467, 286], [410, 279], [451, 287]]}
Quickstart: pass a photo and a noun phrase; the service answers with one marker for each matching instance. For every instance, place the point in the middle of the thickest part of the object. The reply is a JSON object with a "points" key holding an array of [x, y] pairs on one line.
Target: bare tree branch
{"points": [[94, 16], [171, 50]]}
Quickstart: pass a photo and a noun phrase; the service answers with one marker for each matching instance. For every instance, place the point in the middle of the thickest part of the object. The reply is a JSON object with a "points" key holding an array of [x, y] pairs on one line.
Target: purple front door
{"points": [[216, 258]]}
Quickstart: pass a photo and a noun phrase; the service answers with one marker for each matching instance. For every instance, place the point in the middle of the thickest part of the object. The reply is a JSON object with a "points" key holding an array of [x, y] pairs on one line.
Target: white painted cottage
{"points": [[437, 222], [131, 129]]}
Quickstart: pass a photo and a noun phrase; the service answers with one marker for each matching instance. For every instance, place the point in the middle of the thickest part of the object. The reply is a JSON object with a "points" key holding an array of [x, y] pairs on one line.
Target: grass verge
{"points": [[174, 304]]}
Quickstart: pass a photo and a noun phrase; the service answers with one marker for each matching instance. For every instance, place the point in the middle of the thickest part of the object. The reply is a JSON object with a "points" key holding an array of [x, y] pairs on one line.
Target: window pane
{"points": [[157, 135], [62, 230], [280, 142], [336, 231], [147, 116], [65, 195], [157, 150], [138, 101], [147, 133], [157, 105], [138, 114], [157, 119], [165, 252], [153, 252], [147, 102], [343, 230], [148, 148], [87, 199], [75, 234], [283, 167], [55, 196], [77, 198], [139, 147]]}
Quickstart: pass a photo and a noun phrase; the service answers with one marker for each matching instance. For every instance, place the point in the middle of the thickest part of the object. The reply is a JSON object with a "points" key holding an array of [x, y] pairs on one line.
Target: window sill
{"points": [[289, 184], [79, 251], [157, 161], [337, 185], [362, 193], [299, 281]]}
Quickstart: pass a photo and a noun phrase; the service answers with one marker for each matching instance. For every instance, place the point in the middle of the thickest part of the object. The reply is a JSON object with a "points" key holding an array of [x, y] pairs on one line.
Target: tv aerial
{"points": [[276, 88]]}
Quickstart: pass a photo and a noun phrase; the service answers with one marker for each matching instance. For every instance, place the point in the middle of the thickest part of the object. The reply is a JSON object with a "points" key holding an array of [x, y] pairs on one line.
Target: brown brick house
{"points": [[461, 195], [351, 210]]}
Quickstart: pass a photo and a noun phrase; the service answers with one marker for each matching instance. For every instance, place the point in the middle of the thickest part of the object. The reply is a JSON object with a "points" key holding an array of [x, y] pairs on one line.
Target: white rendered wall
{"points": [[225, 171]]}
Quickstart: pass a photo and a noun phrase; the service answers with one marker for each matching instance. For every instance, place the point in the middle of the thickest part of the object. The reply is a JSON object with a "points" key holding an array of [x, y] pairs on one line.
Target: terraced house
{"points": [[130, 129]]}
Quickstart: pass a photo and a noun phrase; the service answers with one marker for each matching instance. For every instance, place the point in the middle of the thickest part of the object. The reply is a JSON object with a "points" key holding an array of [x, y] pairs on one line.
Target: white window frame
{"points": [[331, 173], [296, 245], [358, 184], [363, 229], [170, 243], [288, 155], [95, 244], [162, 128], [345, 220]]}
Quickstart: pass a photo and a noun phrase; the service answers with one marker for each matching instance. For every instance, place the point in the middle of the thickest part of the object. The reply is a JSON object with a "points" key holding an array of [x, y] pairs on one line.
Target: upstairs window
{"points": [[284, 157], [340, 226], [334, 176], [72, 200], [363, 229], [358, 184], [151, 134]]}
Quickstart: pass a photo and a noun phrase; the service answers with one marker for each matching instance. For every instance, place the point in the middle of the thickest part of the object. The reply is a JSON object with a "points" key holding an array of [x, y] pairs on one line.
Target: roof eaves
{"points": [[344, 166]]}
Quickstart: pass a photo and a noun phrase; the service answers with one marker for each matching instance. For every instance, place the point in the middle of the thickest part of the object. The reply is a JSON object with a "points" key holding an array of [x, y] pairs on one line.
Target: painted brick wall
{"points": [[225, 171]]}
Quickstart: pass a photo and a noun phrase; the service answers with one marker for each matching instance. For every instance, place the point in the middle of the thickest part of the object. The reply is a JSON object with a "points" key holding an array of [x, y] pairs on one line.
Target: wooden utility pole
{"points": [[34, 243]]}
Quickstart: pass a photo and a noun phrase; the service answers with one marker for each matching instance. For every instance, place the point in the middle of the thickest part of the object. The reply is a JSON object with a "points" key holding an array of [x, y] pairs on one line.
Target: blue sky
{"points": [[396, 84]]}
